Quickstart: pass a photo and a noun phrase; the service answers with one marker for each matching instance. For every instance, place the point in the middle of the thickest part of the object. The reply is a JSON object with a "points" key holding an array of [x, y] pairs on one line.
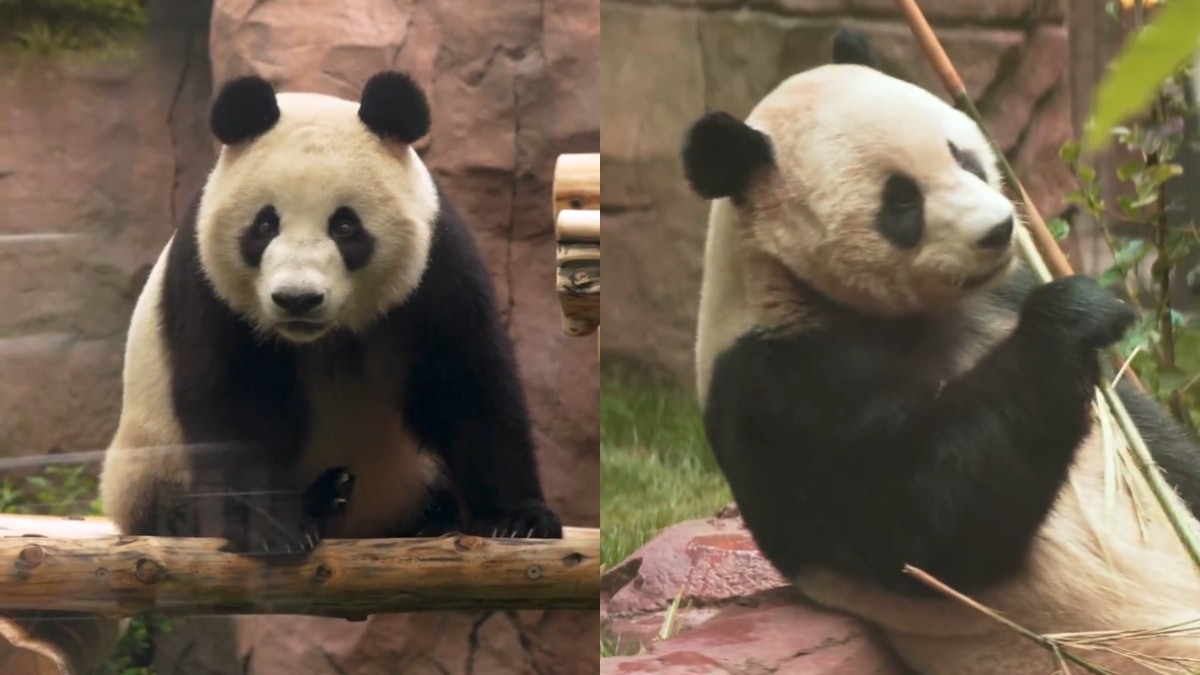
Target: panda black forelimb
{"points": [[465, 399], [841, 453]]}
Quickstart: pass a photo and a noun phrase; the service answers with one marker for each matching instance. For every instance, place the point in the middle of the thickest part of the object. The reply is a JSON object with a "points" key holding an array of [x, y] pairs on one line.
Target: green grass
{"points": [[57, 26], [655, 466]]}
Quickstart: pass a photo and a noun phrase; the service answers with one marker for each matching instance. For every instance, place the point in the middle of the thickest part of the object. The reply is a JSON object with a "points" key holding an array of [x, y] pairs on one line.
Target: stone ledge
{"points": [[736, 614]]}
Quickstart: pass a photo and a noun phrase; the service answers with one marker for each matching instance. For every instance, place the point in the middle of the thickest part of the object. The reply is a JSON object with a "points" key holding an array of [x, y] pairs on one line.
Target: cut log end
{"points": [[577, 230]]}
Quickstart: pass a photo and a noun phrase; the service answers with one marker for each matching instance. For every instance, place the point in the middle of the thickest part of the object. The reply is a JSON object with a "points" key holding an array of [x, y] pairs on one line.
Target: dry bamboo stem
{"points": [[1058, 267], [1049, 643], [577, 231], [82, 566]]}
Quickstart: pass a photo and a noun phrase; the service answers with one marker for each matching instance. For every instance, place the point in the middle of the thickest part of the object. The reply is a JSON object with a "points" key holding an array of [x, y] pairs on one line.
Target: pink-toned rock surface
{"points": [[666, 62], [112, 150], [92, 171], [735, 613]]}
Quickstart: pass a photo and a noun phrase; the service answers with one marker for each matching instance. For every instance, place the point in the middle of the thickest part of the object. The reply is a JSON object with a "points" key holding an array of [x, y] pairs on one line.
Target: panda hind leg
{"points": [[326, 498]]}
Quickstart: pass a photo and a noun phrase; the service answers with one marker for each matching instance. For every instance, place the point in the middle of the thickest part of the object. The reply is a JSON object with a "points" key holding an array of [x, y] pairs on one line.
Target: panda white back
{"points": [[883, 385]]}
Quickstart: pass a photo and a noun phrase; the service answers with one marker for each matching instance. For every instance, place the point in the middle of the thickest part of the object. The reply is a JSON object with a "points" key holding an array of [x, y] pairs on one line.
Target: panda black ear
{"points": [[851, 46], [393, 104], [721, 154], [243, 109]]}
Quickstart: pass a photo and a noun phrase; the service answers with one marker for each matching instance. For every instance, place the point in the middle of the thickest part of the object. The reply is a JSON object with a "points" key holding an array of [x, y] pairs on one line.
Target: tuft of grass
{"points": [[656, 468], [46, 27]]}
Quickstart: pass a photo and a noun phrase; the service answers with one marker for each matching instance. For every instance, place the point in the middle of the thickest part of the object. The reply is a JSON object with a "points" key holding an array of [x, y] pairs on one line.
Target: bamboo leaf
{"points": [[1147, 59]]}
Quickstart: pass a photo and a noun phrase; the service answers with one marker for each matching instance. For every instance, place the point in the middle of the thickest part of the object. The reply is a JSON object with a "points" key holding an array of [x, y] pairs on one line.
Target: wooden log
{"points": [[577, 231], [577, 182], [84, 567], [73, 582], [578, 235]]}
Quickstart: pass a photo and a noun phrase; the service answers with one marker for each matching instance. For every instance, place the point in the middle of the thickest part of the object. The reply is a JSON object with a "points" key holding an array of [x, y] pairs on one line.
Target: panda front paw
{"points": [[280, 523], [531, 520], [1076, 309], [259, 526], [269, 523], [328, 497]]}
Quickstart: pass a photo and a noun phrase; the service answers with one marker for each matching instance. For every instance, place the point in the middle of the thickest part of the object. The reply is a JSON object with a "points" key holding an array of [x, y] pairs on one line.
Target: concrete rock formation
{"points": [[111, 150], [735, 613], [666, 62]]}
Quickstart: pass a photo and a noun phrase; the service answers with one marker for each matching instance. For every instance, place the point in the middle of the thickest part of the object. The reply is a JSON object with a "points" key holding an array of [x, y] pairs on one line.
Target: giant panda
{"points": [[318, 351], [883, 383]]}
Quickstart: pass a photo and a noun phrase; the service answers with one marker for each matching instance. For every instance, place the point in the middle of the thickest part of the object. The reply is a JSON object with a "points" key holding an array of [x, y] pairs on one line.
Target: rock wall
{"points": [[109, 151], [666, 61], [96, 157]]}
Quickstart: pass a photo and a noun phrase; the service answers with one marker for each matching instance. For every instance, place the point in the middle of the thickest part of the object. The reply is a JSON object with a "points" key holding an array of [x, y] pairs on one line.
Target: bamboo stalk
{"points": [[1058, 266], [1052, 645], [83, 566]]}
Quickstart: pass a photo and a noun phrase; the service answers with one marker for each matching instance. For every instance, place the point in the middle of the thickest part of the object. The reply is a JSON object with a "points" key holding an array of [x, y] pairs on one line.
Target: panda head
{"points": [[318, 214], [869, 189]]}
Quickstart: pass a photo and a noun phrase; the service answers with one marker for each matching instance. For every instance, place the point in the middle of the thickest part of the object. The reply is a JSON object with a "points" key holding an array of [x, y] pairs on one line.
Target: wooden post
{"points": [[577, 230], [80, 572]]}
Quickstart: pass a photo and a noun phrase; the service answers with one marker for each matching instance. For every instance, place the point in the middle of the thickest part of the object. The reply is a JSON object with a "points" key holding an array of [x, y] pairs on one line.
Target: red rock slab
{"points": [[771, 632], [713, 561]]}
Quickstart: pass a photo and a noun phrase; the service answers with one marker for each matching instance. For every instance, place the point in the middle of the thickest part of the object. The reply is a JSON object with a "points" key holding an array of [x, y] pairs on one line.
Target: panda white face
{"points": [[876, 192], [317, 222]]}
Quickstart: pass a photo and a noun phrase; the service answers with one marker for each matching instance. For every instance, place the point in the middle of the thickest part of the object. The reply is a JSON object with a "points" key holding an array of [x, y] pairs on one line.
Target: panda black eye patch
{"points": [[901, 215], [967, 160], [255, 238], [353, 241]]}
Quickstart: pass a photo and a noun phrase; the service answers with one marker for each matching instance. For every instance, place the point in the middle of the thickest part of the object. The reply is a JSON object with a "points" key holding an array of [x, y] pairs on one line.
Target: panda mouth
{"points": [[302, 329], [975, 281]]}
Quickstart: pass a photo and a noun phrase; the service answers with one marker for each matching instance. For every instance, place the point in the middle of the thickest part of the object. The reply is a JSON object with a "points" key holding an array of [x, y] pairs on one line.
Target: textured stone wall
{"points": [[96, 157], [666, 62], [110, 151]]}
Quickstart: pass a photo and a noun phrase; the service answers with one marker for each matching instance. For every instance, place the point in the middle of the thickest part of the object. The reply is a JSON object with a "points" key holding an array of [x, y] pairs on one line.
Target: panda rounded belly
{"points": [[356, 424], [1069, 586]]}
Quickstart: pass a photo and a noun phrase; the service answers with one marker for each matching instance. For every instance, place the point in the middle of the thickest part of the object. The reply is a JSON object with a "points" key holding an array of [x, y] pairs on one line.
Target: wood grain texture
{"points": [[83, 566], [577, 182], [577, 231]]}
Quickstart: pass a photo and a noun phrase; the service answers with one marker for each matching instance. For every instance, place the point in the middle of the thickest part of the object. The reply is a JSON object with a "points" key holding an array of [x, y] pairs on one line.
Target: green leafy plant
{"points": [[63, 490], [134, 654], [60, 490], [1153, 249], [1153, 54]]}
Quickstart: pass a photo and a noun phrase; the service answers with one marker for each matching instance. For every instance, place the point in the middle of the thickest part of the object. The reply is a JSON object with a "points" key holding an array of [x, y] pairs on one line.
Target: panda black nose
{"points": [[998, 236], [298, 303]]}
